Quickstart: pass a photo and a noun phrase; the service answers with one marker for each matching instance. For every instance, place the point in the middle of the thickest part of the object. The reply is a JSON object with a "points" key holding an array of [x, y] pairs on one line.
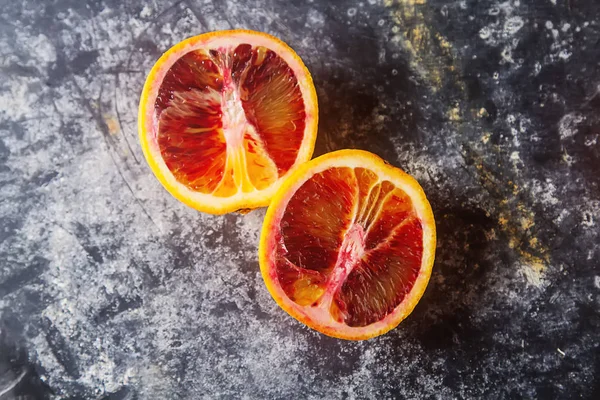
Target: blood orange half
{"points": [[225, 116], [348, 244]]}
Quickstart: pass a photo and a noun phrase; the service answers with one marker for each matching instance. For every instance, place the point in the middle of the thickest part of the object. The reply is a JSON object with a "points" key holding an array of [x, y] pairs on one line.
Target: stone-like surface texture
{"points": [[111, 289]]}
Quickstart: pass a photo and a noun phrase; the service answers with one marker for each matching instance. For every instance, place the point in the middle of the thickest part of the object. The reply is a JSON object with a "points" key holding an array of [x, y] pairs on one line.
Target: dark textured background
{"points": [[111, 289]]}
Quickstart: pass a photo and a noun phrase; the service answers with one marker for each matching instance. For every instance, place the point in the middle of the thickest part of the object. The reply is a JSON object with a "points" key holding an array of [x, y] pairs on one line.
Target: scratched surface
{"points": [[111, 289]]}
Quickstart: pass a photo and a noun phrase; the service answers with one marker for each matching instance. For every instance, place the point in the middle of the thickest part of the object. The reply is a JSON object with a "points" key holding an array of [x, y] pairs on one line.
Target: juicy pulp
{"points": [[229, 119], [349, 244]]}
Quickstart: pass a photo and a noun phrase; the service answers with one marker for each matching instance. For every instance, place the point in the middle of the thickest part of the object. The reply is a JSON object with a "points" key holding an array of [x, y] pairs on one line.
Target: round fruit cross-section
{"points": [[348, 244], [225, 116]]}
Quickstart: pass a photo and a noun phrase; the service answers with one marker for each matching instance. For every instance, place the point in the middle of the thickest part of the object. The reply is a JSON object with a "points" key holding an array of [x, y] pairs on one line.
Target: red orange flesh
{"points": [[348, 244], [225, 116]]}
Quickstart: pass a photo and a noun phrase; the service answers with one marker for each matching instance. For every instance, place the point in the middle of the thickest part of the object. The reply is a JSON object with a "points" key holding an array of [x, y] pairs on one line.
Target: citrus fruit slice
{"points": [[347, 245], [225, 116]]}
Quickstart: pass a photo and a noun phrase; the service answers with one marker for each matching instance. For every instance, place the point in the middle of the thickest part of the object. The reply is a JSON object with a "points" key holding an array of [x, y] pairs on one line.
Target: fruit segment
{"points": [[230, 119], [273, 105], [383, 277], [191, 139], [398, 208], [194, 71], [351, 243], [316, 219]]}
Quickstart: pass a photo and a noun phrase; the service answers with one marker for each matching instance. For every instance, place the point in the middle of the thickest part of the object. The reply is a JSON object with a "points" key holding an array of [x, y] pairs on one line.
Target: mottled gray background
{"points": [[111, 289]]}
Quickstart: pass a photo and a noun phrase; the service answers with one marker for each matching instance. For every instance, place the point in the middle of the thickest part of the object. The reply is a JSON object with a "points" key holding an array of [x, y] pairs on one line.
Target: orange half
{"points": [[348, 244], [225, 117]]}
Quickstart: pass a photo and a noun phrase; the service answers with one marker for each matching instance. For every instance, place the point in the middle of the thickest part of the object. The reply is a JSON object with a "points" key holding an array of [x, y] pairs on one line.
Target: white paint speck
{"points": [[544, 193], [485, 32], [565, 54], [512, 25], [444, 11], [315, 18], [507, 56], [587, 219], [566, 27], [351, 12], [568, 124], [561, 217], [146, 11], [532, 275], [549, 25], [597, 281], [494, 11], [591, 141], [567, 159], [381, 56]]}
